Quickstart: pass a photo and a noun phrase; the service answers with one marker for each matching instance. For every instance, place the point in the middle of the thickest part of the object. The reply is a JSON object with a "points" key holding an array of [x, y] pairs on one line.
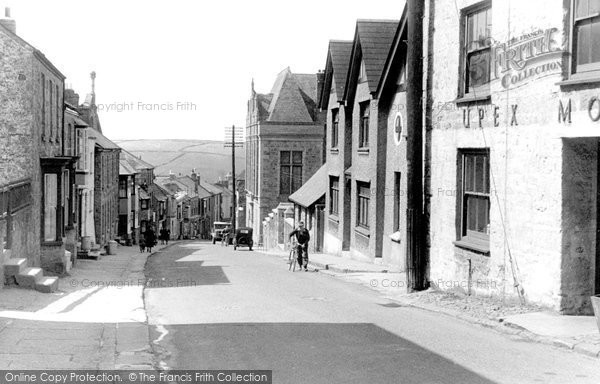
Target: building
{"points": [[284, 143], [357, 141], [37, 160], [144, 176], [513, 122], [309, 207], [128, 202]]}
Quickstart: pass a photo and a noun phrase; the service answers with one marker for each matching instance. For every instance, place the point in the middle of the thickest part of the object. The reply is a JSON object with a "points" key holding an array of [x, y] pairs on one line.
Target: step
{"points": [[29, 277], [47, 285], [13, 267]]}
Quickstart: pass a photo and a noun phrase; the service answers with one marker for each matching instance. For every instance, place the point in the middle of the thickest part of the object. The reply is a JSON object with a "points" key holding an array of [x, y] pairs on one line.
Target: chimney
{"points": [[171, 175], [71, 98], [7, 22], [320, 84]]}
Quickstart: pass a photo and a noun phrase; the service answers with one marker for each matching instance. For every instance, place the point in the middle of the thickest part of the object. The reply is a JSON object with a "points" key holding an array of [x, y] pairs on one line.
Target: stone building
{"points": [[106, 189], [357, 141], [514, 139], [284, 143], [36, 163]]}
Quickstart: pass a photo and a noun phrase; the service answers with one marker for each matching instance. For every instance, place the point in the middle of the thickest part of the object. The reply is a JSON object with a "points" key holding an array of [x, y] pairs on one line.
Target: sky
{"points": [[182, 69]]}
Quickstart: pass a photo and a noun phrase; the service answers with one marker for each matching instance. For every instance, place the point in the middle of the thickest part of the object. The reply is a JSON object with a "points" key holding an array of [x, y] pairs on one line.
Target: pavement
{"points": [[580, 334], [96, 319]]}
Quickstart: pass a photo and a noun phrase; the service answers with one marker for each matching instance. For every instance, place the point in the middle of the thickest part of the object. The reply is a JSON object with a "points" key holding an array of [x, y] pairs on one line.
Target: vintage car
{"points": [[217, 231], [243, 238]]}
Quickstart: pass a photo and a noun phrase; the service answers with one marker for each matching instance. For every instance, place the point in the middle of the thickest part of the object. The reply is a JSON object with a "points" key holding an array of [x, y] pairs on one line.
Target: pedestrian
{"points": [[150, 236], [163, 234], [167, 236], [302, 237], [142, 243]]}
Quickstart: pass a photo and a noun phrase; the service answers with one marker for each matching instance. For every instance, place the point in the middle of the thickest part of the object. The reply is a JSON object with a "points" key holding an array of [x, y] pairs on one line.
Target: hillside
{"points": [[210, 158]]}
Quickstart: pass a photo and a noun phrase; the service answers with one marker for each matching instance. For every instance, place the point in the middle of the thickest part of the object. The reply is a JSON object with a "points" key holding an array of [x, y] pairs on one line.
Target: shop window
{"points": [[475, 198], [290, 175], [363, 197], [334, 195], [335, 119], [363, 132], [476, 49], [50, 206], [397, 202], [586, 36]]}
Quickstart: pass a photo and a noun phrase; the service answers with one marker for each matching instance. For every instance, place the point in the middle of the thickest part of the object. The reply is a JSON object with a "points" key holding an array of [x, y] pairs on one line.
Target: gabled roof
{"points": [[336, 70], [313, 189], [392, 66], [203, 193], [292, 99], [372, 42]]}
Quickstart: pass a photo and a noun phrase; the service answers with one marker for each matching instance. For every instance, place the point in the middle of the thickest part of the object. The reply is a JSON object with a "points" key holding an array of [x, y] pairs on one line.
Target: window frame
{"points": [[335, 121], [587, 70], [465, 53], [478, 241], [334, 195], [292, 167], [363, 199], [364, 122]]}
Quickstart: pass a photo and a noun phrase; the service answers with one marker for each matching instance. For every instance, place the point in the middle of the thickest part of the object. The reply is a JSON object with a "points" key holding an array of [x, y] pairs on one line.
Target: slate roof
{"points": [[135, 161], [336, 69], [157, 192], [372, 40], [209, 187], [313, 189], [103, 142], [292, 99], [203, 193], [394, 55], [125, 168]]}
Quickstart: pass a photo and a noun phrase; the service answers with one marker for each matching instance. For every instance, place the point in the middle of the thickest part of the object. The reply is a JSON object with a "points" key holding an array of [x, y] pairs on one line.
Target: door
{"points": [[320, 230]]}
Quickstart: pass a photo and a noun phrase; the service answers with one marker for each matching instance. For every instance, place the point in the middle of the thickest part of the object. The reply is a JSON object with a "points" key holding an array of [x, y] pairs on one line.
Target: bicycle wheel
{"points": [[292, 261]]}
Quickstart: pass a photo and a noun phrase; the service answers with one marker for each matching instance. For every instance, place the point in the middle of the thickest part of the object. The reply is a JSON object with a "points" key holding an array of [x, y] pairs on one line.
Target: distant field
{"points": [[210, 158]]}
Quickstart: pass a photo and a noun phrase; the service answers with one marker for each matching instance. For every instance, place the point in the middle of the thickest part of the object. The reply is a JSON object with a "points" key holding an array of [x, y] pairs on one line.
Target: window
{"points": [[43, 106], [363, 196], [477, 49], [334, 195], [335, 119], [57, 114], [144, 204], [362, 76], [475, 199], [586, 36], [363, 132], [290, 172], [51, 92], [50, 206], [397, 202], [123, 188], [66, 193]]}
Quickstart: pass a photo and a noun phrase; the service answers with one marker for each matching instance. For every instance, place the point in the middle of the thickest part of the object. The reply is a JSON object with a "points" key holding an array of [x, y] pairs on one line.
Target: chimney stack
{"points": [[71, 98], [320, 83], [7, 22]]}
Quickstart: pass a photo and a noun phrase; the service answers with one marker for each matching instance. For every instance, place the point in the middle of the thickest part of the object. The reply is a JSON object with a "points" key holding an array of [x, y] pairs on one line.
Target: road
{"points": [[212, 308]]}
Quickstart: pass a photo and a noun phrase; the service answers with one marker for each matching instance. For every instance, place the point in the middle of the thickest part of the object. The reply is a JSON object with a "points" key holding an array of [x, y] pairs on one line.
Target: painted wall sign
{"points": [[565, 109], [529, 55]]}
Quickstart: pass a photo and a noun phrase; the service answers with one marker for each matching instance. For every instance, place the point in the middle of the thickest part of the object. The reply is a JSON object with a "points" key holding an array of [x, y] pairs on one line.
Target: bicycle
{"points": [[293, 259]]}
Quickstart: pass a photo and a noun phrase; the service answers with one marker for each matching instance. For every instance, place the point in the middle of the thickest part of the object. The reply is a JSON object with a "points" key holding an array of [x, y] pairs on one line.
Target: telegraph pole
{"points": [[415, 261], [230, 141]]}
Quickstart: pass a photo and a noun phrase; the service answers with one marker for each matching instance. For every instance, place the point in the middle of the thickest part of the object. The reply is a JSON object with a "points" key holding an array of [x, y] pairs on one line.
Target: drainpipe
{"points": [[415, 265]]}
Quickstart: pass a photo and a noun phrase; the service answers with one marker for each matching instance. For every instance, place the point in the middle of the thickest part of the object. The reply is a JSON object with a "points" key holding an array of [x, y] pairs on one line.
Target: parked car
{"points": [[243, 238], [217, 231]]}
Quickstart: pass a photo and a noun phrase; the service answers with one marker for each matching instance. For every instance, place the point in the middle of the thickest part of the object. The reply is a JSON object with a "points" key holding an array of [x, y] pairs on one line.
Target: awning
{"points": [[312, 190]]}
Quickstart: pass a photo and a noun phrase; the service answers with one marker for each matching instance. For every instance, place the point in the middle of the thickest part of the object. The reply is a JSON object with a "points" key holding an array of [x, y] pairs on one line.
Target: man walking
{"points": [[302, 237]]}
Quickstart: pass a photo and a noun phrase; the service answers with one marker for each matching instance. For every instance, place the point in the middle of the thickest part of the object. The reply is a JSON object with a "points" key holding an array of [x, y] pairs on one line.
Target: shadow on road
{"points": [[314, 353], [183, 266]]}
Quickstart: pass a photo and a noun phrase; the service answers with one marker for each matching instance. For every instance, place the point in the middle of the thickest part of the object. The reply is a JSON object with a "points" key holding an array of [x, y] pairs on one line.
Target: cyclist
{"points": [[302, 237]]}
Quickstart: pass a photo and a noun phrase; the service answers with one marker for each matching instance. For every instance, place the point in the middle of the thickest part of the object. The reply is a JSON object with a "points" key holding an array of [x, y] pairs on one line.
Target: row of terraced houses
{"points": [[459, 144], [66, 190]]}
